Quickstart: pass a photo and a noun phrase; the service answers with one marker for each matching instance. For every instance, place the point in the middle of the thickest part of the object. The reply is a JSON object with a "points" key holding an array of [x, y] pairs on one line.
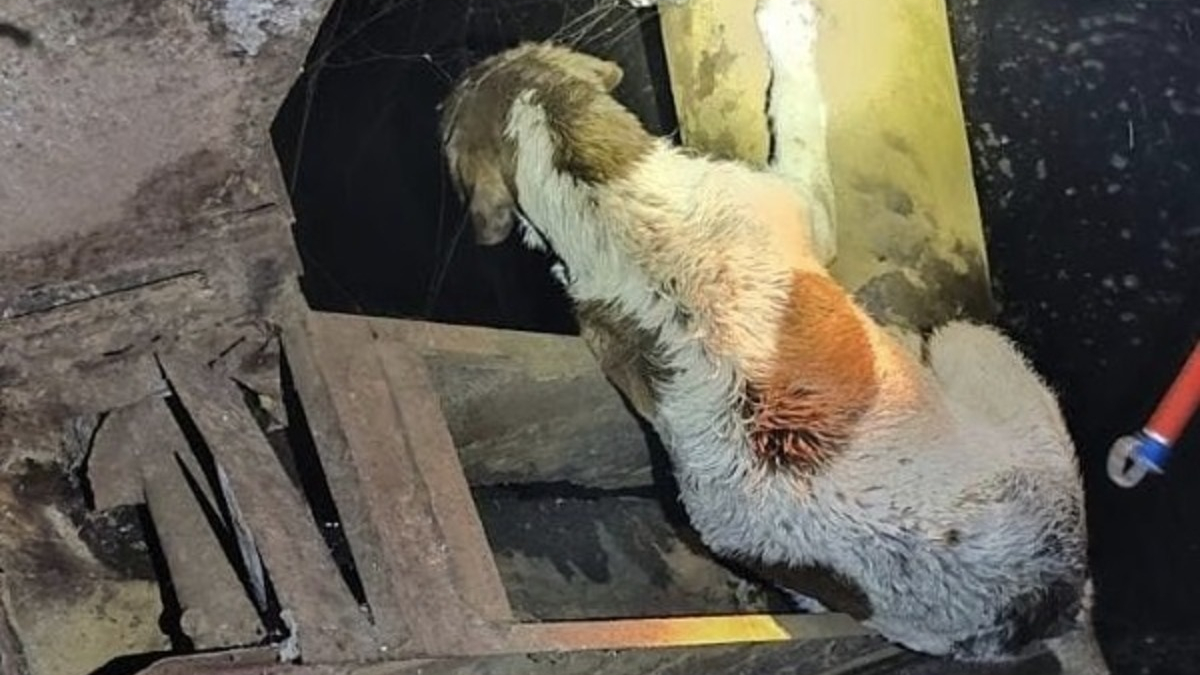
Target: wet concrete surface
{"points": [[1084, 119]]}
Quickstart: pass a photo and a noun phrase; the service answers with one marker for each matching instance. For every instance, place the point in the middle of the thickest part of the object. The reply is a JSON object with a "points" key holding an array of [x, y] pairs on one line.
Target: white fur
{"points": [[797, 109], [971, 448], [924, 464]]}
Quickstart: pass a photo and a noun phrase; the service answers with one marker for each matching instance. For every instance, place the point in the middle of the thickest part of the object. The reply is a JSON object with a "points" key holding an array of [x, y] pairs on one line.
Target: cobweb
{"points": [[379, 229]]}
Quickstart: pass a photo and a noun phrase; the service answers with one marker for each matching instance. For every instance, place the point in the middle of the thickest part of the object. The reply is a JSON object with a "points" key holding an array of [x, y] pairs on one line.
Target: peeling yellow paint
{"points": [[718, 76]]}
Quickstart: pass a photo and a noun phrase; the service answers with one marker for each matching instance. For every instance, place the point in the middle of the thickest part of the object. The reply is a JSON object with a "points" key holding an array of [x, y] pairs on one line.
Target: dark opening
{"points": [[379, 228]]}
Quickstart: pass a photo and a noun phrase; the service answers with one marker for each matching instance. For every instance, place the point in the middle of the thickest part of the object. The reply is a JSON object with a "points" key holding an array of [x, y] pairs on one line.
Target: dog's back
{"points": [[944, 487]]}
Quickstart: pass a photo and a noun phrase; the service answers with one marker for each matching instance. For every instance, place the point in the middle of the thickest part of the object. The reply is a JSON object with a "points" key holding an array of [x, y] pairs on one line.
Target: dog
{"points": [[933, 476]]}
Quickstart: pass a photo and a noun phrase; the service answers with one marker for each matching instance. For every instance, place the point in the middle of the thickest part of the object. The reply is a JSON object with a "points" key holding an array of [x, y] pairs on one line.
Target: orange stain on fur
{"points": [[822, 380]]}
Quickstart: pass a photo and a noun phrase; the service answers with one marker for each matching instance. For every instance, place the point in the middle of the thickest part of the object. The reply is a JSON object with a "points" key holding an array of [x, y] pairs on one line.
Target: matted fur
{"points": [[945, 491]]}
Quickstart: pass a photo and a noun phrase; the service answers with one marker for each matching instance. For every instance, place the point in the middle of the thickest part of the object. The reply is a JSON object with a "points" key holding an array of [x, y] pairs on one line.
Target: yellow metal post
{"points": [[719, 76]]}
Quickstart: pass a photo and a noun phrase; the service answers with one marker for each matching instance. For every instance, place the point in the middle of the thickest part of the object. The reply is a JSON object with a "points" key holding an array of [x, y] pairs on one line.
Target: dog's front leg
{"points": [[796, 108], [623, 354]]}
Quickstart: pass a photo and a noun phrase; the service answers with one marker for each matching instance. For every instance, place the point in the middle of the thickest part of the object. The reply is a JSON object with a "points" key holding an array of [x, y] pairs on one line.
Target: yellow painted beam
{"points": [[910, 239], [719, 75], [910, 233], [685, 631]]}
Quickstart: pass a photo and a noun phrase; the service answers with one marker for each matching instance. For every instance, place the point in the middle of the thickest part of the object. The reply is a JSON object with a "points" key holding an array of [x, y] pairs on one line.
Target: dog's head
{"points": [[474, 117]]}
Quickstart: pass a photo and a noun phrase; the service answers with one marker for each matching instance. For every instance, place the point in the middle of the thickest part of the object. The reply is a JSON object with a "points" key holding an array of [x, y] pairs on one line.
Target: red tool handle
{"points": [[1179, 403]]}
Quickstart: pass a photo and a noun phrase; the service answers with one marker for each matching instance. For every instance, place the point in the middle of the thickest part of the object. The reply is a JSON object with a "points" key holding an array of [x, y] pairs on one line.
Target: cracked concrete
{"points": [[140, 205]]}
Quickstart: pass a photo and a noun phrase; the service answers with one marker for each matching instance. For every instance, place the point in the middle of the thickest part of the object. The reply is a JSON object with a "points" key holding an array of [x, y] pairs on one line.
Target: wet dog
{"points": [[935, 477]]}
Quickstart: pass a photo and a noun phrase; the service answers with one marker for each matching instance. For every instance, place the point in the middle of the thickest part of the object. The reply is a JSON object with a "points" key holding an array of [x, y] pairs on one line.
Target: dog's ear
{"points": [[492, 211], [610, 75], [481, 187], [606, 73]]}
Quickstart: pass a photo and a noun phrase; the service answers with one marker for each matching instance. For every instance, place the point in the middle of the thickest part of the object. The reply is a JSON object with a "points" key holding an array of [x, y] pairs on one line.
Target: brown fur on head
{"points": [[481, 158]]}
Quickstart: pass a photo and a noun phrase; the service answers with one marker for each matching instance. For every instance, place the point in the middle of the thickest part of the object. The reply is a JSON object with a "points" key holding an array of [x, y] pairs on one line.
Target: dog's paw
{"points": [[804, 603], [788, 28]]}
